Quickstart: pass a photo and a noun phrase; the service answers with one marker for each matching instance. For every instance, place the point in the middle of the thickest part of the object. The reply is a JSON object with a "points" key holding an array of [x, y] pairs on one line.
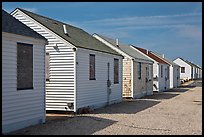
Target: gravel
{"points": [[174, 112]]}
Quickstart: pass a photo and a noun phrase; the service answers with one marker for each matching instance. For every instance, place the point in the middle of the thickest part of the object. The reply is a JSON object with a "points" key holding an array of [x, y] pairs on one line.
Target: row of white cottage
{"points": [[50, 65]]}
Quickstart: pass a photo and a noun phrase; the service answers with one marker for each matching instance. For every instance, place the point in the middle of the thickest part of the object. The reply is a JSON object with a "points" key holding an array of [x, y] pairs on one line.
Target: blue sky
{"points": [[170, 28]]}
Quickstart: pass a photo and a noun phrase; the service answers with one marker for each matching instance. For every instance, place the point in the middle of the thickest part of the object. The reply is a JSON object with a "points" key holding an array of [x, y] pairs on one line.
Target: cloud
{"points": [[146, 20], [35, 10], [178, 25], [193, 32]]}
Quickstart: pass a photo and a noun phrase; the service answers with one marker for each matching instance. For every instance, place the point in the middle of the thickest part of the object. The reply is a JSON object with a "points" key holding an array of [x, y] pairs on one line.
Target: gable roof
{"points": [[76, 36], [192, 64], [12, 25], [185, 61], [125, 48], [154, 57], [165, 59]]}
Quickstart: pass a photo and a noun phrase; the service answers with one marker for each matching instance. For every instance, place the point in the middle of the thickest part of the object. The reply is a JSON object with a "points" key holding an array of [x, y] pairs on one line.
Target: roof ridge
{"points": [[77, 36], [48, 18]]}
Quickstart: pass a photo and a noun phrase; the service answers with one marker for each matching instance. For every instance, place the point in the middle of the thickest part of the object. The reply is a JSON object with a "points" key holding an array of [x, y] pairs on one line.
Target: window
{"points": [[47, 66], [182, 69], [116, 69], [139, 70], [92, 67], [167, 72], [150, 72], [161, 71], [24, 66]]}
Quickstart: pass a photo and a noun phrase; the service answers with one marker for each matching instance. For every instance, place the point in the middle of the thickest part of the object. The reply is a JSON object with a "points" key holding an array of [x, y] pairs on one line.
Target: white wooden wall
{"points": [[156, 76], [60, 90], [93, 93], [23, 107]]}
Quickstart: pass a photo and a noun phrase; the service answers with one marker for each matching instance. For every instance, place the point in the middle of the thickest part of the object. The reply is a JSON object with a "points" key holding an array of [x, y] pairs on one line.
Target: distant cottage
{"points": [[137, 69], [23, 75], [174, 71], [188, 70], [161, 71], [81, 71]]}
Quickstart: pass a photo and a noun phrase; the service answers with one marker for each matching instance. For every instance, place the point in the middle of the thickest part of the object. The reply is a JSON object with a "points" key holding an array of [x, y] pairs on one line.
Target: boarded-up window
{"points": [[150, 72], [167, 72], [92, 67], [47, 66], [161, 71], [116, 69], [24, 66], [139, 70], [182, 69]]}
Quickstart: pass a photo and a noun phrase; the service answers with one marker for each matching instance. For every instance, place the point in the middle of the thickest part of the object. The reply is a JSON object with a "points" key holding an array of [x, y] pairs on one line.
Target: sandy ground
{"points": [[174, 112]]}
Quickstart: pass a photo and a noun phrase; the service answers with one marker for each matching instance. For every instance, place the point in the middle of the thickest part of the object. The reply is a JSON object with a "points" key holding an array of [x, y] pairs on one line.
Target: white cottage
{"points": [[194, 69], [137, 69], [161, 78], [186, 71], [199, 72], [23, 75], [81, 71], [174, 75]]}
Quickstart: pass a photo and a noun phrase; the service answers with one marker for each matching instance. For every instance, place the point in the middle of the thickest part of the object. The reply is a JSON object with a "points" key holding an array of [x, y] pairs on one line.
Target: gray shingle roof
{"points": [[126, 48], [12, 25], [76, 36], [188, 62]]}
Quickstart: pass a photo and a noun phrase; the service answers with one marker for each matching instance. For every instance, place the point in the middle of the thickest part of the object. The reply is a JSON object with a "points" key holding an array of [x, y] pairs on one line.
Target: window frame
{"points": [[183, 68]]}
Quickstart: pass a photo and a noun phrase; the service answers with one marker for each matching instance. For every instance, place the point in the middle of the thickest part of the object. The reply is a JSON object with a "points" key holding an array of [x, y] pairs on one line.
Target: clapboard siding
{"points": [[163, 85], [61, 66], [18, 105], [94, 92], [174, 76]]}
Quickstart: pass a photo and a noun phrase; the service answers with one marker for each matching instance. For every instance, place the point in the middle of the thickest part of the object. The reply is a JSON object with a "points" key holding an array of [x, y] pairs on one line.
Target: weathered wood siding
{"points": [[60, 89], [93, 93], [143, 86], [127, 82], [176, 77], [23, 107]]}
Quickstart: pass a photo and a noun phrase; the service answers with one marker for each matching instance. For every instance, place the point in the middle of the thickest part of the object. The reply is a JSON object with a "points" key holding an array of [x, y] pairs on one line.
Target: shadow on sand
{"points": [[67, 125]]}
